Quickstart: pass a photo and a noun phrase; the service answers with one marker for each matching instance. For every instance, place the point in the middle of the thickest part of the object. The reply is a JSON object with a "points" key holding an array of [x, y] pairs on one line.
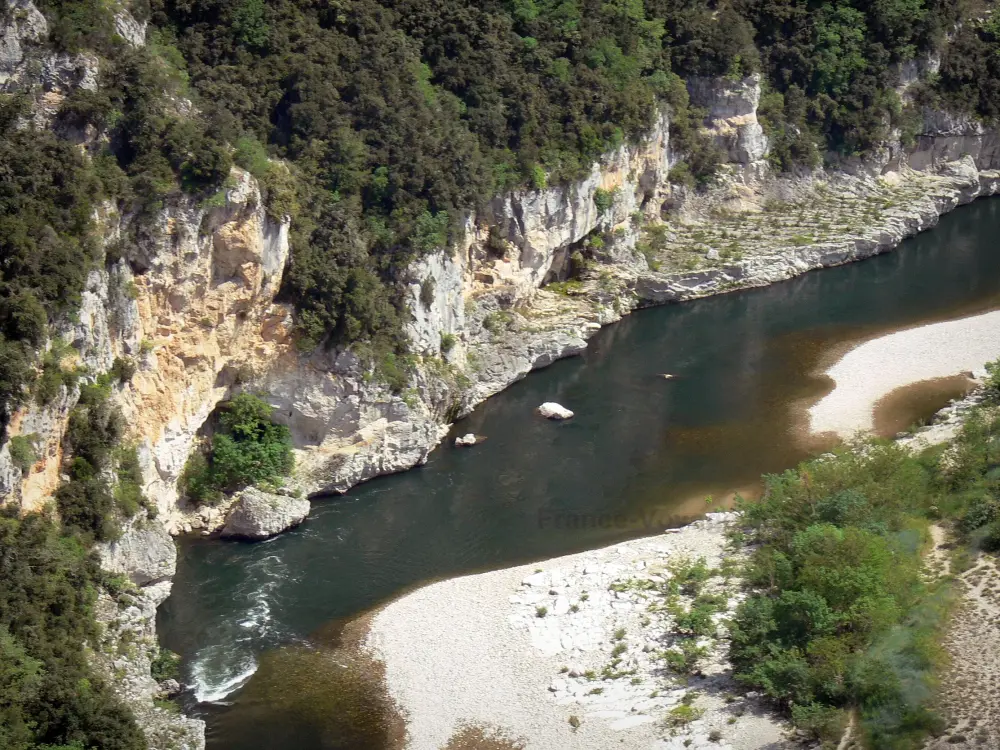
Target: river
{"points": [[643, 452]]}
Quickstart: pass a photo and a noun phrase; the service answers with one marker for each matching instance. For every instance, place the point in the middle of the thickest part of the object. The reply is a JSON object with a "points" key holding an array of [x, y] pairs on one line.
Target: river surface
{"points": [[643, 453]]}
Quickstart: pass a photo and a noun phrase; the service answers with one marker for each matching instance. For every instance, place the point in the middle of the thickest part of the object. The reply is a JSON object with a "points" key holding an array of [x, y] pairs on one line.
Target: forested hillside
{"points": [[394, 118], [398, 116]]}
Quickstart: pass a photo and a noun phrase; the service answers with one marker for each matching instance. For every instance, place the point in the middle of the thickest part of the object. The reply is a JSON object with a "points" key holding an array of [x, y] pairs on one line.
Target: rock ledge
{"points": [[260, 515]]}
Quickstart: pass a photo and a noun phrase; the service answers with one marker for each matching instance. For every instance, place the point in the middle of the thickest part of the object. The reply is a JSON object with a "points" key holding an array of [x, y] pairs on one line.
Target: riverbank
{"points": [[573, 652], [869, 373], [587, 650]]}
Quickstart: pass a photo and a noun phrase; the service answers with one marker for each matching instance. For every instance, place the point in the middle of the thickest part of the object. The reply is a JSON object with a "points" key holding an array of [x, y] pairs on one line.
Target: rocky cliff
{"points": [[191, 299]]}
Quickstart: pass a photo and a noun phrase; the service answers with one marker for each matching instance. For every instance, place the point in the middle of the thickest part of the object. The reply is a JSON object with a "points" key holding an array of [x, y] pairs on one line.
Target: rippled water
{"points": [[642, 454]]}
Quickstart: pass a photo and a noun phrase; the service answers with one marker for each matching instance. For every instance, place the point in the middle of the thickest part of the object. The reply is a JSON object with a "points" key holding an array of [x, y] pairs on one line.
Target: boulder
{"points": [[260, 515], [552, 410], [466, 440], [144, 552]]}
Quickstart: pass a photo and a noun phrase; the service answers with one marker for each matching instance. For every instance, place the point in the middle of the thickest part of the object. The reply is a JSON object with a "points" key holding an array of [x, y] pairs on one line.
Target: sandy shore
{"points": [[532, 651], [876, 368]]}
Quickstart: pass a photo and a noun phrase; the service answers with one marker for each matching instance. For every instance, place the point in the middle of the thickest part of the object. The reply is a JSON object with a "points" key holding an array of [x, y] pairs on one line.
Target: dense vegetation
{"points": [[47, 192], [49, 698], [396, 116], [840, 616], [104, 484], [247, 449]]}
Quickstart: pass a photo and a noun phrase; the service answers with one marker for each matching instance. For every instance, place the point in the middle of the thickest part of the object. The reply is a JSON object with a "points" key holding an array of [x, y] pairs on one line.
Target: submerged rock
{"points": [[552, 410], [260, 515]]}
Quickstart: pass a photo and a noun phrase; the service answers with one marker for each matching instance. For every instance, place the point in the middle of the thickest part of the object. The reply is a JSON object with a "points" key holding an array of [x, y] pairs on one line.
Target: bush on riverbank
{"points": [[840, 616], [248, 449]]}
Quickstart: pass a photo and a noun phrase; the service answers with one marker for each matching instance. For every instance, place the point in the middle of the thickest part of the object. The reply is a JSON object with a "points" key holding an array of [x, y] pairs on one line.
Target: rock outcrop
{"points": [[124, 656], [946, 137], [261, 515], [144, 552], [732, 116]]}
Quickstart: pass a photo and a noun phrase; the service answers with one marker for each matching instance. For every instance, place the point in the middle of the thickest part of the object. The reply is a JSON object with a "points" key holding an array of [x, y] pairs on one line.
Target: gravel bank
{"points": [[581, 639], [874, 369]]}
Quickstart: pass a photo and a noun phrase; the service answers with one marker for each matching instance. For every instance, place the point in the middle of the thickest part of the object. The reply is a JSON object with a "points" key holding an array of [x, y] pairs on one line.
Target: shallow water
{"points": [[642, 453]]}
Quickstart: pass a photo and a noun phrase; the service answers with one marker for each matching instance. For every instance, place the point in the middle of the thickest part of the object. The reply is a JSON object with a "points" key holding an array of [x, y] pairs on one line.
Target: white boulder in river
{"points": [[259, 515], [466, 440], [552, 410]]}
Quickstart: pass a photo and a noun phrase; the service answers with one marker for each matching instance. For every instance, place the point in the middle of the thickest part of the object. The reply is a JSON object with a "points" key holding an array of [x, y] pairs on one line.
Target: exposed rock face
{"points": [[732, 115], [23, 27], [260, 515], [124, 655], [145, 553], [205, 319], [129, 29], [946, 137]]}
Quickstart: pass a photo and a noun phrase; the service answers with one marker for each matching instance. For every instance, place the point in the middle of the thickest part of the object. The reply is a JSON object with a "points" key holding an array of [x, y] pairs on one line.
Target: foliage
{"points": [[48, 694], [47, 194], [24, 451], [427, 292], [604, 200], [87, 502], [166, 665], [992, 384], [123, 369], [247, 449], [839, 616], [969, 77], [834, 64]]}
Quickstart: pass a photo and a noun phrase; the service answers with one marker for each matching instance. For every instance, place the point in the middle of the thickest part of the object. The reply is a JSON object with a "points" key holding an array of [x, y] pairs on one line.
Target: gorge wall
{"points": [[192, 300]]}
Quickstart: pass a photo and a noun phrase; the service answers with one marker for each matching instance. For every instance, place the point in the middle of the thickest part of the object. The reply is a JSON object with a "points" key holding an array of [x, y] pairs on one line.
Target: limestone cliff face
{"points": [[732, 116], [205, 321], [946, 137]]}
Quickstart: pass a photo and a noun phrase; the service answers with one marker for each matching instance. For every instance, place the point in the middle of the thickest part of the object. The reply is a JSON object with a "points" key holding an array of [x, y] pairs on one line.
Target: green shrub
{"points": [[123, 369], [981, 511], [86, 502], [427, 292], [448, 341], [247, 449], [991, 539], [992, 382], [498, 321], [824, 723], [685, 657], [252, 156], [840, 616], [604, 199], [165, 666], [24, 451], [49, 695]]}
